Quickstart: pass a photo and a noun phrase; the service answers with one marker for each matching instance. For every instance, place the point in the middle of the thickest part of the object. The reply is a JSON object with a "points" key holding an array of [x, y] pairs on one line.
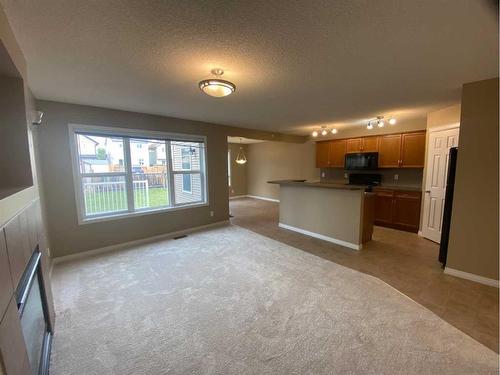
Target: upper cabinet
{"points": [[389, 151], [413, 150], [337, 153], [370, 144], [354, 145], [322, 151], [405, 150], [366, 144], [330, 154]]}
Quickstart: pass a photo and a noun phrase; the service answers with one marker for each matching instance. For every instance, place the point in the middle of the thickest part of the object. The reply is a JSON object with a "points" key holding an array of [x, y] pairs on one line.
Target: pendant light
{"points": [[217, 87], [241, 158]]}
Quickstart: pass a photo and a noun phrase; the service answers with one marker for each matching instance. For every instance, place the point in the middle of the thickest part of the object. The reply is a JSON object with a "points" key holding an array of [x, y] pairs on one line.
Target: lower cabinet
{"points": [[398, 209]]}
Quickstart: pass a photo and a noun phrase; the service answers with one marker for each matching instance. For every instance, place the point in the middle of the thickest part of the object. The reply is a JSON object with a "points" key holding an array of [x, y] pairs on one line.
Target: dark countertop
{"points": [[326, 185]]}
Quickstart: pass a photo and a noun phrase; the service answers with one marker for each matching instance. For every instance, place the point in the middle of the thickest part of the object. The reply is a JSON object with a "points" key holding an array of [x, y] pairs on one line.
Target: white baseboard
{"points": [[263, 198], [238, 196], [322, 237], [472, 277], [141, 241], [420, 233]]}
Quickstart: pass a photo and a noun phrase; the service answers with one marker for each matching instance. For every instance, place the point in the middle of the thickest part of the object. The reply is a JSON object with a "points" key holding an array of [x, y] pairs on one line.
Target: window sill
{"points": [[127, 215]]}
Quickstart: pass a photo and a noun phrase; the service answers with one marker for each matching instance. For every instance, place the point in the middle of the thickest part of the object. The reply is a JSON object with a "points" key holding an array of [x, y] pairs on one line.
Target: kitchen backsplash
{"points": [[405, 177]]}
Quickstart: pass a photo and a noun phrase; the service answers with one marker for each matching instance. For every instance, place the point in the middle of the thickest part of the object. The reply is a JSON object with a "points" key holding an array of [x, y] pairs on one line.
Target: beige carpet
{"points": [[229, 301]]}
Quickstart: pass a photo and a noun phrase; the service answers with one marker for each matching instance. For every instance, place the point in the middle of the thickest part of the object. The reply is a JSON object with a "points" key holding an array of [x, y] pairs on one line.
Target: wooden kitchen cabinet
{"points": [[322, 154], [354, 145], [370, 144], [365, 144], [403, 150], [383, 207], [406, 212], [398, 209], [413, 150], [337, 153], [330, 154], [389, 151]]}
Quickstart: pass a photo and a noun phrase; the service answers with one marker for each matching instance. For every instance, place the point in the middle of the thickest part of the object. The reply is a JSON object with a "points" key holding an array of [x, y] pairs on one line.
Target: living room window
{"points": [[122, 172]]}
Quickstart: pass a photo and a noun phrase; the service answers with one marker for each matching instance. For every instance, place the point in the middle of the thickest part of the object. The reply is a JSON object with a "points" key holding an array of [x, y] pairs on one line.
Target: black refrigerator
{"points": [[448, 203]]}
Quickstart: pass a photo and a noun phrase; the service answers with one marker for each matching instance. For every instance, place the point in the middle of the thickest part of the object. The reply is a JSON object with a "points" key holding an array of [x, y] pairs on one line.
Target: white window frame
{"points": [[127, 133]]}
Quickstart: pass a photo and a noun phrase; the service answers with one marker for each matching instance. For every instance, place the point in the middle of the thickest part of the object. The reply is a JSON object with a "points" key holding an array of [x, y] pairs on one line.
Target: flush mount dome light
{"points": [[217, 87]]}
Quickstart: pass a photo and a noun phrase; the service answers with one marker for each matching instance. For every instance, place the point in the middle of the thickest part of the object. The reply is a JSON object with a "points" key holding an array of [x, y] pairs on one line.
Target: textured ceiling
{"points": [[295, 63]]}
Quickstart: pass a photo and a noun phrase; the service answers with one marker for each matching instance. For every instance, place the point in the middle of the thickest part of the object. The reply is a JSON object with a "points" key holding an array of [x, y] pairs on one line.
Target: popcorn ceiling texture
{"points": [[230, 301], [294, 63]]}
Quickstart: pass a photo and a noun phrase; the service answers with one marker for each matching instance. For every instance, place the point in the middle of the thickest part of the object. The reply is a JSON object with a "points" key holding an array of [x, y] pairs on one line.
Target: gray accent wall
{"points": [[69, 237]]}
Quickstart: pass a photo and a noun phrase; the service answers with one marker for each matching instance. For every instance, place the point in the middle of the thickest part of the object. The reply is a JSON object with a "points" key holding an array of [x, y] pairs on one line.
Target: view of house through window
{"points": [[120, 174]]}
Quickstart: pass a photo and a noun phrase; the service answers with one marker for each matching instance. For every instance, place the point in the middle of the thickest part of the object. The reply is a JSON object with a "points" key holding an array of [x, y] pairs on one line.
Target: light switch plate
{"points": [[396, 177], [323, 174]]}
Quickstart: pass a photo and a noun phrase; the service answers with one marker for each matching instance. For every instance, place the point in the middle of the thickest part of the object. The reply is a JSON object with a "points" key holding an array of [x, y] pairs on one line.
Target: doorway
{"points": [[438, 150]]}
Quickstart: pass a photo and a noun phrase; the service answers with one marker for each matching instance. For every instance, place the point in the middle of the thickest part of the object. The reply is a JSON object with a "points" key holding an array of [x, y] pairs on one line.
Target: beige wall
{"points": [[335, 213], [276, 161], [473, 245], [238, 171]]}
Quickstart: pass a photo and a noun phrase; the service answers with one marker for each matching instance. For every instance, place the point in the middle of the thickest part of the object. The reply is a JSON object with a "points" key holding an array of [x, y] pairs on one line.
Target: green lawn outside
{"points": [[100, 202]]}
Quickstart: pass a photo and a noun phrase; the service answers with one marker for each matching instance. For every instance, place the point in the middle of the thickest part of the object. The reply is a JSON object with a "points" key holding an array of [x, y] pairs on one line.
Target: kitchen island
{"points": [[339, 213]]}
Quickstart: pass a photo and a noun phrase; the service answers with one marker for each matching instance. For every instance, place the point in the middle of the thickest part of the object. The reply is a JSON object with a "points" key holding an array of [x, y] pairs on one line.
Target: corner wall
{"points": [[473, 246]]}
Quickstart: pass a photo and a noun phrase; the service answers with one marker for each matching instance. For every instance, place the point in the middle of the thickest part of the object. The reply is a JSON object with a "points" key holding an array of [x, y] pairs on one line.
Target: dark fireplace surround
{"points": [[33, 311]]}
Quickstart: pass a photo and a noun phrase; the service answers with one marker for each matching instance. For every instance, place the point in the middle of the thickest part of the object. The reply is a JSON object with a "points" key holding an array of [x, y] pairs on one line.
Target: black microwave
{"points": [[361, 161]]}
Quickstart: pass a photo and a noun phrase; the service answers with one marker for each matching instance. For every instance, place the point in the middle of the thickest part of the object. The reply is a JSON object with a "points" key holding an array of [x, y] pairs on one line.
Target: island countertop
{"points": [[326, 185]]}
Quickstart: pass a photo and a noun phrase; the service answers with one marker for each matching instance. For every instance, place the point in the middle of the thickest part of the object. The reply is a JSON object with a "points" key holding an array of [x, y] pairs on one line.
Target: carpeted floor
{"points": [[229, 301]]}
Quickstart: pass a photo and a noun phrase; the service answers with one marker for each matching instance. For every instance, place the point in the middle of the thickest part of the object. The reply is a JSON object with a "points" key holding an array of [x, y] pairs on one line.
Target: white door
{"points": [[438, 152]]}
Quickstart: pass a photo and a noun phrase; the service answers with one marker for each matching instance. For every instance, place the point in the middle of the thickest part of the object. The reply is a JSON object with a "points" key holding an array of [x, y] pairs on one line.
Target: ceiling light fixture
{"points": [[380, 122], [324, 130], [217, 87], [241, 158]]}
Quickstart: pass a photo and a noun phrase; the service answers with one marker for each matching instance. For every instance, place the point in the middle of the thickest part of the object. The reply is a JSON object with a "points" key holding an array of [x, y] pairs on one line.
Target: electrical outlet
{"points": [[323, 174], [345, 175], [211, 213], [396, 177]]}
